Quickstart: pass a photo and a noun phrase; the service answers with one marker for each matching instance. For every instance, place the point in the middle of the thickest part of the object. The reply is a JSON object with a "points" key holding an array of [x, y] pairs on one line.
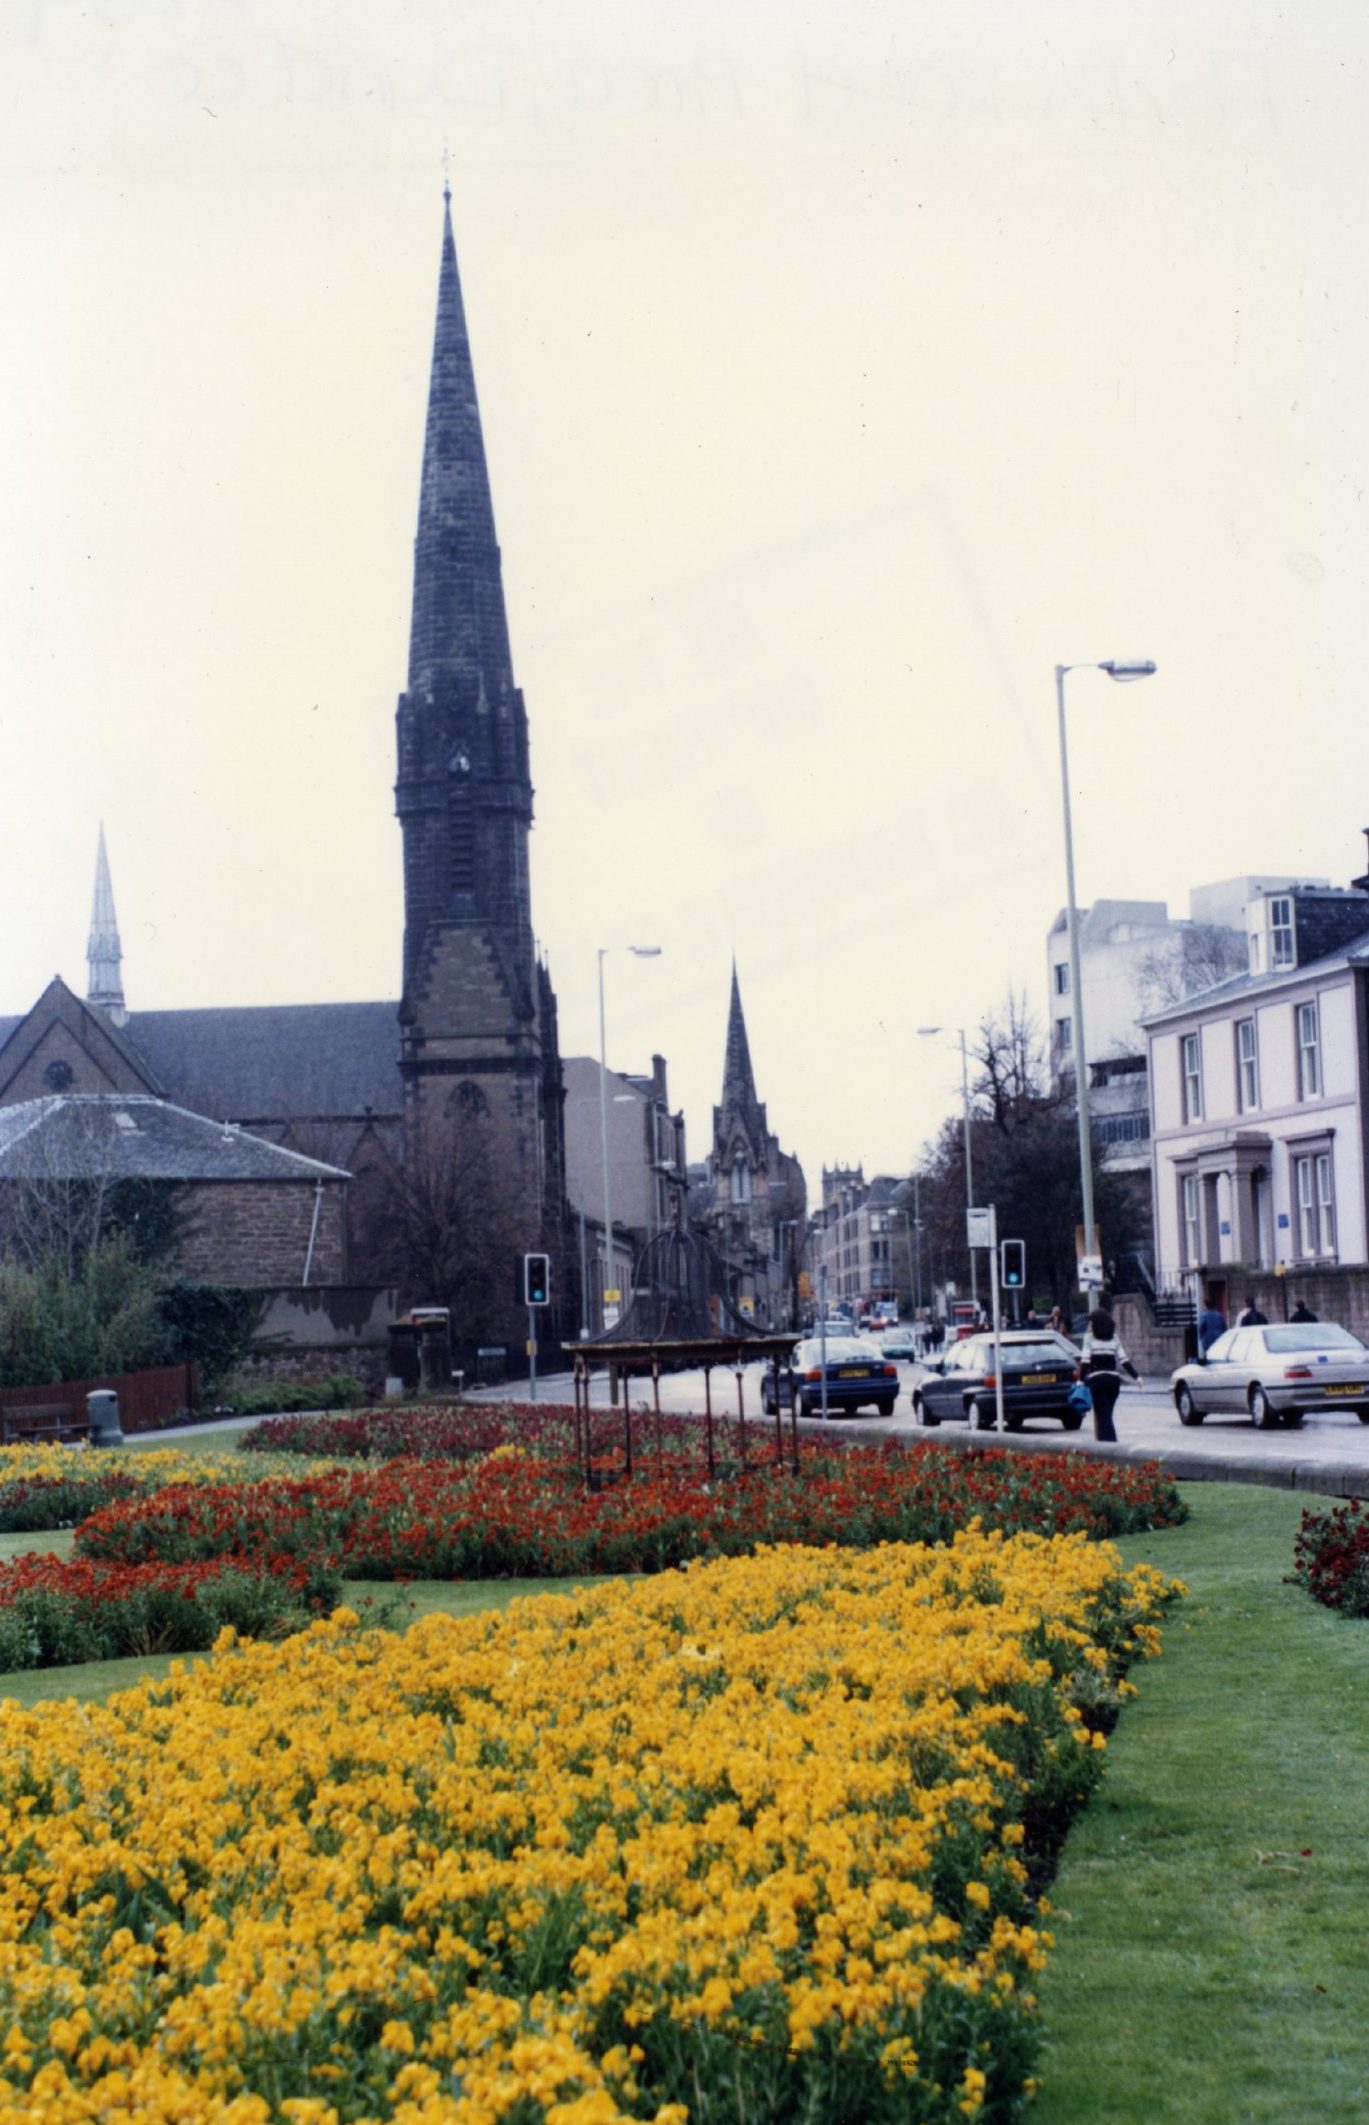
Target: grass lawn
{"points": [[1212, 1958]]}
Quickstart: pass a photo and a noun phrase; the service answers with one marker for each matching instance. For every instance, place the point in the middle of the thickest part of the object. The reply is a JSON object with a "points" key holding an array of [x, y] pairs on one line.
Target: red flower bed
{"points": [[465, 1431], [58, 1610], [1331, 1557], [521, 1515]]}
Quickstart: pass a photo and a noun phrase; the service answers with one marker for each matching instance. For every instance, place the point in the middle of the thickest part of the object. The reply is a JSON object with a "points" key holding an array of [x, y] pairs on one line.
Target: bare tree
{"points": [[1008, 1054], [453, 1229], [1203, 954]]}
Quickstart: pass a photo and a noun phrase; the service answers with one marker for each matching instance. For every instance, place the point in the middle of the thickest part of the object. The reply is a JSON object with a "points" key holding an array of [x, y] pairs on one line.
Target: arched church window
{"points": [[58, 1074], [741, 1182], [470, 1100]]}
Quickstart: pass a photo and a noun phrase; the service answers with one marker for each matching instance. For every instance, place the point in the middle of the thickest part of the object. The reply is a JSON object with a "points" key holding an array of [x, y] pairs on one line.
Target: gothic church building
{"points": [[448, 1101]]}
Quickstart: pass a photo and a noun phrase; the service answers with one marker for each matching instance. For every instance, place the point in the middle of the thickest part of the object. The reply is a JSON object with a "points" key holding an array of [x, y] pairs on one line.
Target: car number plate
{"points": [[1344, 1387], [854, 1372], [1039, 1379]]}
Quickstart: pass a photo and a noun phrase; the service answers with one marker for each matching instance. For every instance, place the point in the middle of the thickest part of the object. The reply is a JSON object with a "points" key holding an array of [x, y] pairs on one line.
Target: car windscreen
{"points": [[1034, 1357], [841, 1350], [1310, 1335]]}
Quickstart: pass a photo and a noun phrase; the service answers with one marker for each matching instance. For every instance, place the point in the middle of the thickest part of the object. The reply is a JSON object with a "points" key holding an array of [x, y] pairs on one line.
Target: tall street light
{"points": [[639, 951], [925, 1033], [1123, 670]]}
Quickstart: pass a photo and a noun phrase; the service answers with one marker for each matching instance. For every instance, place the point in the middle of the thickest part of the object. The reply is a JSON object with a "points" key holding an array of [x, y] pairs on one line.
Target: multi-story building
{"points": [[1134, 958], [1260, 1098], [854, 1234], [647, 1173]]}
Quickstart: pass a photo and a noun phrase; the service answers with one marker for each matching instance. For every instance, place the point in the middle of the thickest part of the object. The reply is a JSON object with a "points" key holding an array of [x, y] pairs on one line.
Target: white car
{"points": [[1274, 1374]]}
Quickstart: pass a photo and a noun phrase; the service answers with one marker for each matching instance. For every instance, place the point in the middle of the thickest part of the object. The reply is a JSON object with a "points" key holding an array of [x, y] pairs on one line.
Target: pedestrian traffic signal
{"points": [[1012, 1257], [536, 1280]]}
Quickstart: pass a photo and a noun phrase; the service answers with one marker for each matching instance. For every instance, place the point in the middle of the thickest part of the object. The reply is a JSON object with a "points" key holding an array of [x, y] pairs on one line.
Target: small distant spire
{"points": [[105, 988], [739, 1086]]}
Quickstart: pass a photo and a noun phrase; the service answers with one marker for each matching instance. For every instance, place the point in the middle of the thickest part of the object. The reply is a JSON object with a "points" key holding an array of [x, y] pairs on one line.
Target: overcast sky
{"points": [[843, 369]]}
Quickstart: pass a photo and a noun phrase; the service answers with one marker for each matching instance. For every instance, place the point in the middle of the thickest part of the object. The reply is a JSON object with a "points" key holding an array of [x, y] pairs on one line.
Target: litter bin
{"points": [[102, 1408], [491, 1365]]}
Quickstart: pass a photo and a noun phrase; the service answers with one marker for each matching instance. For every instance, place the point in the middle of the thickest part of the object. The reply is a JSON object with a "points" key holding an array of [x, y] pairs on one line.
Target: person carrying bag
{"points": [[1103, 1363]]}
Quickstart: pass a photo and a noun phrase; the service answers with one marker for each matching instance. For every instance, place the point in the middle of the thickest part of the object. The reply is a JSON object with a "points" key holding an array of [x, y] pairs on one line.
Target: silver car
{"points": [[1274, 1374]]}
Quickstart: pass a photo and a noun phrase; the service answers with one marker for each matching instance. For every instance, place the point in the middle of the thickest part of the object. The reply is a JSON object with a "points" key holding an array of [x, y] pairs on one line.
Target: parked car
{"points": [[1038, 1373], [856, 1374], [1275, 1374]]}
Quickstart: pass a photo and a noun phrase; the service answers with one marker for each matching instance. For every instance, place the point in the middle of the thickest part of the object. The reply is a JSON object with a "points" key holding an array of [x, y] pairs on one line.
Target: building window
{"points": [[741, 1182], [1064, 1035], [1191, 1063], [1062, 977], [1247, 1066], [1314, 1194], [1281, 931], [1188, 1204], [1309, 1052]]}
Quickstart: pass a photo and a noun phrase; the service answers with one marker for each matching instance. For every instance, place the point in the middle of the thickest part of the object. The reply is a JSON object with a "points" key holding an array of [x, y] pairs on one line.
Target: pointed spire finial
{"points": [[446, 176], [105, 989]]}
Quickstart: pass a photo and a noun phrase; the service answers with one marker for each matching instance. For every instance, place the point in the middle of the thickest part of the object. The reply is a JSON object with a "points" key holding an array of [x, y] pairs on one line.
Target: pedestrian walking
{"points": [[1251, 1317], [1056, 1321], [1104, 1364], [1301, 1312]]}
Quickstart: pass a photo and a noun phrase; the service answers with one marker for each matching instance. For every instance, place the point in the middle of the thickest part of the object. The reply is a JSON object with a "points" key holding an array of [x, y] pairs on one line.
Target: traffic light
{"points": [[1012, 1258], [536, 1280]]}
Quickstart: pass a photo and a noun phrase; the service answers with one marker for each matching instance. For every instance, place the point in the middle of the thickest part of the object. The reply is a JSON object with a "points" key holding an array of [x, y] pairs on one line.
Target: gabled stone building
{"points": [[753, 1202]]}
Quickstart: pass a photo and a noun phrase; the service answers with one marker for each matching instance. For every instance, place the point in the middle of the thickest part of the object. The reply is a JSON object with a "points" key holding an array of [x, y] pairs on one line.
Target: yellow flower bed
{"points": [[733, 1842], [152, 1468]]}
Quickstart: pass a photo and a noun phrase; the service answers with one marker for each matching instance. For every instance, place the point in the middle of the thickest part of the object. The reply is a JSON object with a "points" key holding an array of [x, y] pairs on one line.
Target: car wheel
{"points": [[1262, 1414], [767, 1403], [1072, 1419], [1291, 1420], [1189, 1412], [1363, 1415], [1011, 1423], [924, 1415], [885, 1406]]}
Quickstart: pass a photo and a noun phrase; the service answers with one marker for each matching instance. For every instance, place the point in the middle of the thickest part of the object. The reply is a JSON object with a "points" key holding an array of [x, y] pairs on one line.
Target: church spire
{"points": [[464, 788], [105, 988], [460, 628], [739, 1086]]}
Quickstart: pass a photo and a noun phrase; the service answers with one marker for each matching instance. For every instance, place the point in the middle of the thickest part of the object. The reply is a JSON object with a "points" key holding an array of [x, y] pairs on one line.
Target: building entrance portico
{"points": [[1227, 1185]]}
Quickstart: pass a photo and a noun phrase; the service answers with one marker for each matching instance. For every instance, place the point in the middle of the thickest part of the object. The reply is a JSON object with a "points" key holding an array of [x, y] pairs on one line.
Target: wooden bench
{"points": [[46, 1420]]}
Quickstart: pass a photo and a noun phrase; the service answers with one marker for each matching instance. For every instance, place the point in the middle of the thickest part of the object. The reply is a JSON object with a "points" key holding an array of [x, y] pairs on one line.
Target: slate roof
{"points": [[258, 1062], [1353, 953], [132, 1137]]}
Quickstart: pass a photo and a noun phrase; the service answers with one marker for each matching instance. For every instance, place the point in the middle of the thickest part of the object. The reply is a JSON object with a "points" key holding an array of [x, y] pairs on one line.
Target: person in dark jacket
{"points": [[1104, 1364], [1210, 1325], [1302, 1312], [1251, 1317]]}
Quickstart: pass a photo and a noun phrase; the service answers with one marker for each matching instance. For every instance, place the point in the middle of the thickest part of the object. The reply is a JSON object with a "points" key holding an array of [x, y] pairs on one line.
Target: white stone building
{"points": [[1258, 1098]]}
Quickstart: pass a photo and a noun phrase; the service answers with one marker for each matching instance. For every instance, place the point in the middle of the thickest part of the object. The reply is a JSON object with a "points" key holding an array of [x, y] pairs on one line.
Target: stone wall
{"points": [[256, 1233]]}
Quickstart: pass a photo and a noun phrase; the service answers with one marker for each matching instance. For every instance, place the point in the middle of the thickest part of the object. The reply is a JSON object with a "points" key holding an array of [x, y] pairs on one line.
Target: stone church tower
{"points": [[479, 1057], [757, 1198]]}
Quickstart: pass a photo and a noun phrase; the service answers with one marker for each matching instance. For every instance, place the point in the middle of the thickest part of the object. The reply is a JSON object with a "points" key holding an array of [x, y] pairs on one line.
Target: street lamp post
{"points": [[926, 1032], [1123, 670], [639, 951]]}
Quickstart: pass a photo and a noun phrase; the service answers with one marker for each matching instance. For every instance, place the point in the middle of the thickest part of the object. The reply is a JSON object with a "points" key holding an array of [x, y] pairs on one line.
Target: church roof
{"points": [[258, 1062], [123, 1136]]}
